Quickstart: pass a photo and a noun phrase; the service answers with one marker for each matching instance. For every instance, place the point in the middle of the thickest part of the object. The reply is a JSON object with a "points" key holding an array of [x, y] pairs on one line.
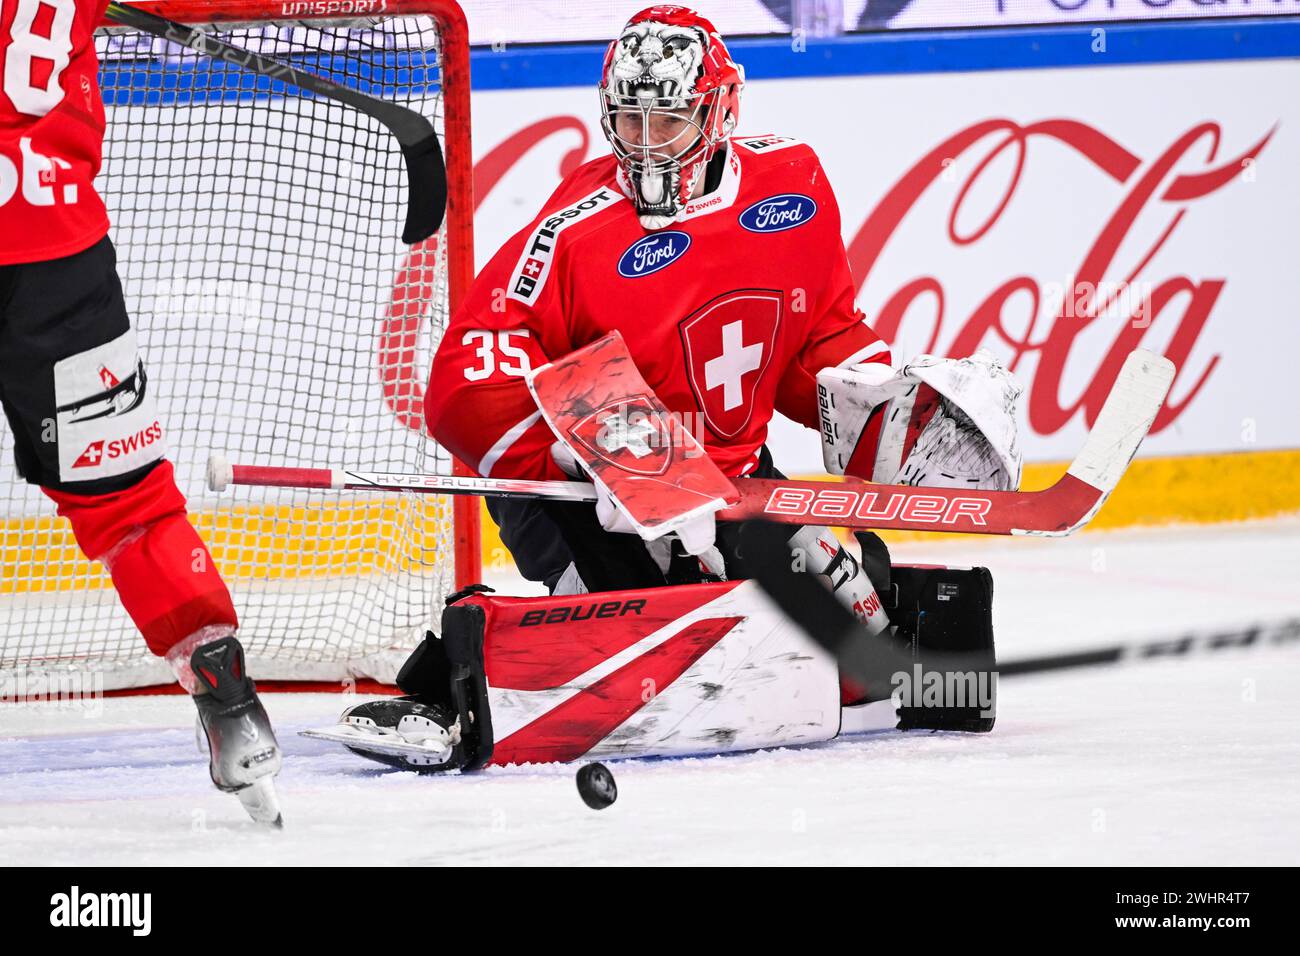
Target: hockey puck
{"points": [[596, 786]]}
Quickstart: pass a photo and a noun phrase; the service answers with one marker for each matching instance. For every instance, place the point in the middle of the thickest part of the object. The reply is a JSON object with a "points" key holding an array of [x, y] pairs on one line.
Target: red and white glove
{"points": [[697, 535], [935, 422]]}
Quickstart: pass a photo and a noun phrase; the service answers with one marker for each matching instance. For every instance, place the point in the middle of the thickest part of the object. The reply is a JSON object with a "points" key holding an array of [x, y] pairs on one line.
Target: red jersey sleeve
{"points": [[477, 403], [837, 332], [516, 317]]}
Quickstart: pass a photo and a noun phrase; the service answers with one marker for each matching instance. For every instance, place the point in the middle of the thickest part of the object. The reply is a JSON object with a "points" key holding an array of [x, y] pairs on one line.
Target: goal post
{"points": [[281, 320]]}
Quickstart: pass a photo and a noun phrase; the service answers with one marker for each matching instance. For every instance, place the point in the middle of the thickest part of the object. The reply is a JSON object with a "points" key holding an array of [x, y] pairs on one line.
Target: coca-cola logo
{"points": [[1148, 191], [1155, 191]]}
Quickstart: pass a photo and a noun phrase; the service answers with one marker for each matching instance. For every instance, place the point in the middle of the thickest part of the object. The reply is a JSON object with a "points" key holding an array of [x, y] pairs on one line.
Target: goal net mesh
{"points": [[282, 322]]}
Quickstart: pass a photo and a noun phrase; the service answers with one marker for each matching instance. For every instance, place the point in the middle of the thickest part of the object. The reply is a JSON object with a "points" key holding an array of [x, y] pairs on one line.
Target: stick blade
{"points": [[1137, 396], [427, 194]]}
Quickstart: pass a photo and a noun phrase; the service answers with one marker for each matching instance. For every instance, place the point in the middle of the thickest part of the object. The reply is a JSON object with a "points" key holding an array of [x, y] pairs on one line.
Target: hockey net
{"points": [[282, 321]]}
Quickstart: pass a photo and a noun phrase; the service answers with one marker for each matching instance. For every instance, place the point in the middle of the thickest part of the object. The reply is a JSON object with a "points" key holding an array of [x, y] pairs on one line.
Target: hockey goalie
{"points": [[640, 333]]}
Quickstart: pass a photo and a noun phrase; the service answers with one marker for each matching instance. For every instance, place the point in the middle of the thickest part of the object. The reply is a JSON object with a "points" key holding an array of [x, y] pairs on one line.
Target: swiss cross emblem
{"points": [[533, 268], [728, 344], [91, 457], [620, 433], [630, 435], [107, 377]]}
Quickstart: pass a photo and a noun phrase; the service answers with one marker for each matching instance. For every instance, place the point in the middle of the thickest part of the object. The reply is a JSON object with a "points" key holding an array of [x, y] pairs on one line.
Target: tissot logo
{"points": [[535, 263], [760, 143], [778, 213], [76, 909], [653, 253]]}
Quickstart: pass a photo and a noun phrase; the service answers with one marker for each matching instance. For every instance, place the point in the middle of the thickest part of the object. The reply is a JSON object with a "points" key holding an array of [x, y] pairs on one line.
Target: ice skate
{"points": [[244, 756], [400, 732]]}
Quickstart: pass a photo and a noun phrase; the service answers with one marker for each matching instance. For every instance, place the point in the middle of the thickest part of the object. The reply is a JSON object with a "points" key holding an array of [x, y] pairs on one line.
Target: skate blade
{"points": [[384, 743], [262, 802]]}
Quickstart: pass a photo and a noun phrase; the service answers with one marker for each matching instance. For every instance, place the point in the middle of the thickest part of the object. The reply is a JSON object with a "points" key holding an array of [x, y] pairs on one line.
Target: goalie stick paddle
{"points": [[1066, 506], [426, 172]]}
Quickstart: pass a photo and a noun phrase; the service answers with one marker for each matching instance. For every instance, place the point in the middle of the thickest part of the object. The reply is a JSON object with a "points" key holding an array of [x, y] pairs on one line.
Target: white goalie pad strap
{"points": [[935, 422]]}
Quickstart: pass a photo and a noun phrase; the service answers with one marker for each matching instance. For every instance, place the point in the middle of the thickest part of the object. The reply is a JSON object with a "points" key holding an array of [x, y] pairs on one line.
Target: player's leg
{"points": [[87, 431], [562, 544], [533, 540], [817, 550]]}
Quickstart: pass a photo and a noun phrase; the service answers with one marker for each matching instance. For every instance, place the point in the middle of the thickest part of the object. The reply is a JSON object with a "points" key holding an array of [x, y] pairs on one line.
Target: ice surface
{"points": [[1191, 761]]}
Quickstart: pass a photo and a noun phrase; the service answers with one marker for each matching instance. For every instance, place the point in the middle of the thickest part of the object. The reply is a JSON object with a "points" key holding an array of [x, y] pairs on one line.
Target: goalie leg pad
{"points": [[690, 669], [669, 671]]}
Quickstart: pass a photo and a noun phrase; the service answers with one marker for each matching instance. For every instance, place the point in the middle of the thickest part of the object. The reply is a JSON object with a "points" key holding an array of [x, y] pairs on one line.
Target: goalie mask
{"points": [[670, 97]]}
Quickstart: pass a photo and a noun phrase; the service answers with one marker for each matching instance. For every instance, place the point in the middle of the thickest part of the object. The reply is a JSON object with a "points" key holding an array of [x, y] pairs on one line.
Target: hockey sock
{"points": [[164, 575]]}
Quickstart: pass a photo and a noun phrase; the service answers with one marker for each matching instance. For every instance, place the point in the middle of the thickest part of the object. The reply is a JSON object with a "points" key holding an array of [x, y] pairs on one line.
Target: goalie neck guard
{"points": [[670, 97]]}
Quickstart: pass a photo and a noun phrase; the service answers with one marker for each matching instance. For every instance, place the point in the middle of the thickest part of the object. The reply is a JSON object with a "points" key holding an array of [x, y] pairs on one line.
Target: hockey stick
{"points": [[868, 660], [1184, 645], [426, 173], [1063, 508], [873, 660]]}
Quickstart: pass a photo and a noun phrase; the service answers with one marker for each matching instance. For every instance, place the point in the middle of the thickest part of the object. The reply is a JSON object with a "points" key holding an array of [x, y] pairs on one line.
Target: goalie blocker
{"points": [[670, 671]]}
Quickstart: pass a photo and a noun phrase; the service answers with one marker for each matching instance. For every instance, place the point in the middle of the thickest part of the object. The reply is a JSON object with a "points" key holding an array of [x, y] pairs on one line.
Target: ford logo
{"points": [[778, 213], [653, 253]]}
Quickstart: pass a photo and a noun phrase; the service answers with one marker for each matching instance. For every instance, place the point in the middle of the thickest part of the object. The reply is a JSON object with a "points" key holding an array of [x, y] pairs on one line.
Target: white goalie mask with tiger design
{"points": [[670, 97]]}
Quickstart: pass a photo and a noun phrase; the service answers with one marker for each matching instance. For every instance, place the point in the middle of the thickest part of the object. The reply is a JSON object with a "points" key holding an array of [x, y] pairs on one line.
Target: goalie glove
{"points": [[942, 423], [697, 536]]}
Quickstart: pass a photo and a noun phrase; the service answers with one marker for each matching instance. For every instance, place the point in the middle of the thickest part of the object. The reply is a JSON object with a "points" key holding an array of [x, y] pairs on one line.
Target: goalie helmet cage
{"points": [[282, 321]]}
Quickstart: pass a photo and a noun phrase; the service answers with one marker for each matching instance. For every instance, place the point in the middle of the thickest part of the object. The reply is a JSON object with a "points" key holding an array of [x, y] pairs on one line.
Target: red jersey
{"points": [[729, 313], [51, 129]]}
